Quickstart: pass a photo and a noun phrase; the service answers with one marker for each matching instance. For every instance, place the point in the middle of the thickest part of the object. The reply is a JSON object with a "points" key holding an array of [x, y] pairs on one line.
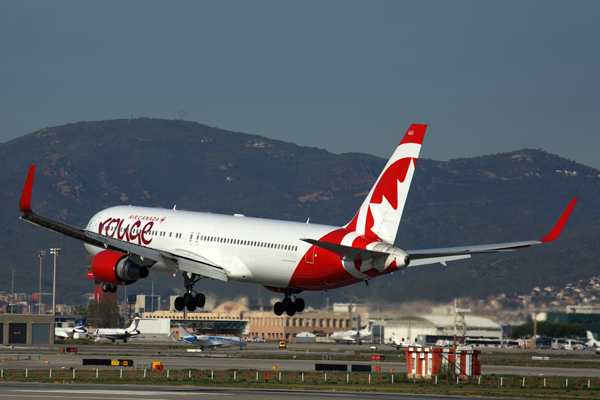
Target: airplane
{"points": [[69, 333], [592, 342], [399, 344], [285, 257], [209, 341], [118, 334], [353, 335]]}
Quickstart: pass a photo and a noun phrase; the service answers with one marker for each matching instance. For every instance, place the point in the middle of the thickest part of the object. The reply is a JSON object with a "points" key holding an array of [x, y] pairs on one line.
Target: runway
{"points": [[42, 391]]}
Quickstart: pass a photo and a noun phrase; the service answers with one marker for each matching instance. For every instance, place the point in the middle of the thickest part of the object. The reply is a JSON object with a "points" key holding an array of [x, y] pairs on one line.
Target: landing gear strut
{"points": [[288, 305], [189, 300]]}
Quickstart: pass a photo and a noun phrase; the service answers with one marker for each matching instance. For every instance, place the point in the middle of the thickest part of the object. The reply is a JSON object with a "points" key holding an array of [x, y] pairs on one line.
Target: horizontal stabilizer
{"points": [[351, 253]]}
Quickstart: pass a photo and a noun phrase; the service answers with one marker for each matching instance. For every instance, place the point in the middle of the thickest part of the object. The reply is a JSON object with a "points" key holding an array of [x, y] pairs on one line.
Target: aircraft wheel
{"points": [[113, 288], [278, 308], [191, 307], [106, 287], [299, 305], [188, 300], [291, 312], [288, 304], [179, 304], [124, 340], [200, 300]]}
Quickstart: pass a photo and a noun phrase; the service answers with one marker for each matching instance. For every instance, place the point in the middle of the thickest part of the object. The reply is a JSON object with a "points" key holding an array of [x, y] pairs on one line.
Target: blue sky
{"points": [[348, 76]]}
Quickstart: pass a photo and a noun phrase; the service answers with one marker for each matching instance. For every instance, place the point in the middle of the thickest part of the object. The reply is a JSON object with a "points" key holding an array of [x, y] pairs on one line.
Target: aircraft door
{"points": [[96, 225]]}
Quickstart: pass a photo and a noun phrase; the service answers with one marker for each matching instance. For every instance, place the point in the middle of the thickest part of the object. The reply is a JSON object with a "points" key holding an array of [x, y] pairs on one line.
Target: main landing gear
{"points": [[189, 300], [291, 307]]}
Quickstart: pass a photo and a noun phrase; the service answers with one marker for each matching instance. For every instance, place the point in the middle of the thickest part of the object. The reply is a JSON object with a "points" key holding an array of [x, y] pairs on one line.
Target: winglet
{"points": [[25, 203], [560, 224]]}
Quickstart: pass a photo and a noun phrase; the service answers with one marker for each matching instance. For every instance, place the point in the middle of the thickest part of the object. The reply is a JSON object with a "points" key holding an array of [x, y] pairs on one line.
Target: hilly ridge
{"points": [[87, 166]]}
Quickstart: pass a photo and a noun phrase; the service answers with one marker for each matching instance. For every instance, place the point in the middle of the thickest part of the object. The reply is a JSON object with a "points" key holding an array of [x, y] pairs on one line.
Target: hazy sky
{"points": [[486, 76]]}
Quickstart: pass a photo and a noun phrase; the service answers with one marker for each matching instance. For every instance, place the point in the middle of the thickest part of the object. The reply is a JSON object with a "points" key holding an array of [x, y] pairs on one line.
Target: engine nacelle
{"points": [[116, 269]]}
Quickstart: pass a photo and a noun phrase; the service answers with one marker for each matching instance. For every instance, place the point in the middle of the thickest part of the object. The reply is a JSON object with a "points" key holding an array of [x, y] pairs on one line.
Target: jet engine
{"points": [[116, 269]]}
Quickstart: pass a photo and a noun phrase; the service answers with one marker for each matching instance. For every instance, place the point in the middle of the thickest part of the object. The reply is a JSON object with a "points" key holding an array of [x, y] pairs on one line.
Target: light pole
{"points": [[55, 253], [12, 288], [41, 253]]}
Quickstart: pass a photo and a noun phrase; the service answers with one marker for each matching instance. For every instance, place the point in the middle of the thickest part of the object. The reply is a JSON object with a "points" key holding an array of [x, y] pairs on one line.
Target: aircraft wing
{"points": [[431, 256], [186, 262], [442, 255]]}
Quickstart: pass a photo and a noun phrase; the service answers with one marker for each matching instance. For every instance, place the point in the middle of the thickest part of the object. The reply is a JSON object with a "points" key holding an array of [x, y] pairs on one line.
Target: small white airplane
{"points": [[591, 342], [213, 342], [118, 334], [69, 333], [285, 257], [353, 335], [401, 343]]}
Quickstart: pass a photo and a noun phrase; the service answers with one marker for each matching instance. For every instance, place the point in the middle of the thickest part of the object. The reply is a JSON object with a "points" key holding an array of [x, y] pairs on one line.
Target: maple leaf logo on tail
{"points": [[379, 215]]}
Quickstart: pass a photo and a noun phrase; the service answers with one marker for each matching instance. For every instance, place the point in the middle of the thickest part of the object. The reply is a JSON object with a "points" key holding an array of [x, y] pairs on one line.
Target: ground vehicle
{"points": [[373, 347], [282, 344], [571, 344]]}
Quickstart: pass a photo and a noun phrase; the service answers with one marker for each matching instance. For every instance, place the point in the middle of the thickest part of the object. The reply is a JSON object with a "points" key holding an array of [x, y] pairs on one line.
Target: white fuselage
{"points": [[68, 332], [345, 335], [114, 332], [351, 336], [250, 250], [214, 341]]}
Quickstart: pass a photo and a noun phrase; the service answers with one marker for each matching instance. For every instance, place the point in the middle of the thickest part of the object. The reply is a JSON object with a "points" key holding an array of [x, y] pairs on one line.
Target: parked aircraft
{"points": [[353, 335], [209, 341], [401, 343], [285, 257], [591, 342], [69, 333], [118, 334]]}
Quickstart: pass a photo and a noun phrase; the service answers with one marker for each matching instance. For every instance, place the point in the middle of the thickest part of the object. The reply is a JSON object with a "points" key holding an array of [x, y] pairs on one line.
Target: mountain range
{"points": [[87, 166]]}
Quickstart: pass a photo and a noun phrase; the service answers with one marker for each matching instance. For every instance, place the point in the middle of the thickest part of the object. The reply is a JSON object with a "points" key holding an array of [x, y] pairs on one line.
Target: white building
{"points": [[146, 303], [150, 327], [410, 327]]}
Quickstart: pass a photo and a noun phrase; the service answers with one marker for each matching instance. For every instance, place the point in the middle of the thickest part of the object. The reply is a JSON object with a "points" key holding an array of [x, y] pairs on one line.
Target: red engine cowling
{"points": [[116, 269]]}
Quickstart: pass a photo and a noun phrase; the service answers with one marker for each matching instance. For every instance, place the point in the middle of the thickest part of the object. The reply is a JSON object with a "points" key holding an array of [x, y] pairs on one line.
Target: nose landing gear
{"points": [[289, 306], [109, 288], [188, 300]]}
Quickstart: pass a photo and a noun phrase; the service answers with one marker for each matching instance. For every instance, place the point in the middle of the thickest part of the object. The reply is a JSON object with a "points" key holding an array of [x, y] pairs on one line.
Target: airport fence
{"points": [[274, 377]]}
